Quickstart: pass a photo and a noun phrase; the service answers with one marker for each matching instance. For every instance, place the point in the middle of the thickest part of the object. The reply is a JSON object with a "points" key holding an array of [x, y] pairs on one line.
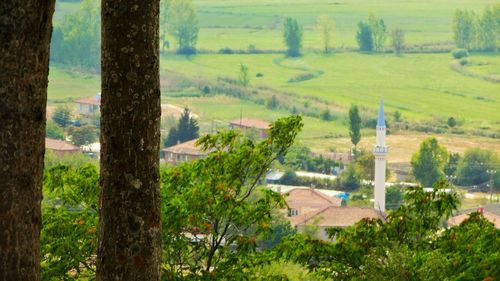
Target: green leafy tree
{"points": [[397, 40], [213, 204], [187, 129], [488, 34], [69, 222], [54, 131], [472, 168], [272, 102], [451, 166], [182, 24], [77, 39], [83, 135], [354, 125], [350, 179], [325, 26], [292, 34], [364, 37], [379, 31], [452, 122], [393, 197], [62, 115], [464, 29], [243, 78], [428, 163]]}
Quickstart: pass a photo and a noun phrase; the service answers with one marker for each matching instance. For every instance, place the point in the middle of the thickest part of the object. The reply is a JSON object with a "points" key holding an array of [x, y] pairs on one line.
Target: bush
{"points": [[460, 53], [302, 77], [226, 51], [54, 131], [452, 122], [272, 103], [464, 61]]}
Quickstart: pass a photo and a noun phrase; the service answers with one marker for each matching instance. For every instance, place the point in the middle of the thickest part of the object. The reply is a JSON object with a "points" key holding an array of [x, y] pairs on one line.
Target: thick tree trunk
{"points": [[130, 230], [25, 29]]}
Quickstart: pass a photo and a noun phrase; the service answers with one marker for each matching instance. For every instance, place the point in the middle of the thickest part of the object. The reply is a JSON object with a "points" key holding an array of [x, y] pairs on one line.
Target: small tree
{"points": [[62, 115], [472, 168], [54, 131], [243, 78], [325, 26], [397, 116], [187, 129], [488, 30], [428, 163], [452, 122], [393, 197], [182, 25], [83, 135], [464, 29], [379, 31], [272, 103], [292, 34], [397, 40], [364, 37], [354, 125]]}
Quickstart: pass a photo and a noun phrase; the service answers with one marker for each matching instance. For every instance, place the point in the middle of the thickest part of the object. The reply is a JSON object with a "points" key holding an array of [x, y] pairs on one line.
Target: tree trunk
{"points": [[25, 29], [129, 224]]}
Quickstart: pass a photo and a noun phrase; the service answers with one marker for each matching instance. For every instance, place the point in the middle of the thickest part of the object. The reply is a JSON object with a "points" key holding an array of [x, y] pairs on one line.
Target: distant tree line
{"points": [[472, 31], [476, 167]]}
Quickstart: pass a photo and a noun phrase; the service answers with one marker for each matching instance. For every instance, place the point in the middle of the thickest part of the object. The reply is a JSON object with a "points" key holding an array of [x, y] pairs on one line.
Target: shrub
{"points": [[460, 53], [302, 77], [452, 122], [226, 51], [259, 75], [464, 61]]}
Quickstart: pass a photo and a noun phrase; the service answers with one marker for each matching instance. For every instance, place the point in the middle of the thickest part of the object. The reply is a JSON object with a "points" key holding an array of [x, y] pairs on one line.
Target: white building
{"points": [[380, 151]]}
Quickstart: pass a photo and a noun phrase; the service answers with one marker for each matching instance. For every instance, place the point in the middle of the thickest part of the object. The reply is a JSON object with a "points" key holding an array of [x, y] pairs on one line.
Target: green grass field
{"points": [[423, 87], [420, 86], [239, 23]]}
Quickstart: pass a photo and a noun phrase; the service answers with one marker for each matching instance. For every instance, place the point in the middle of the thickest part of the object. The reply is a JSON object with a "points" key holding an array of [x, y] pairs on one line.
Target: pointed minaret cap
{"points": [[381, 118]]}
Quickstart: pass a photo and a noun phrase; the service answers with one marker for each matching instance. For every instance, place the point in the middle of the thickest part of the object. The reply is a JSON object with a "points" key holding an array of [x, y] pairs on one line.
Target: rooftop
{"points": [[94, 100], [251, 123], [188, 147], [492, 217], [59, 145], [309, 197], [336, 216]]}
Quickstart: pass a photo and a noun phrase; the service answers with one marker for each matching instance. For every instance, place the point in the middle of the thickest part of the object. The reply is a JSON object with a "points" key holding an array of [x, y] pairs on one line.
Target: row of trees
{"points": [[76, 40], [477, 32], [475, 167], [372, 35]]}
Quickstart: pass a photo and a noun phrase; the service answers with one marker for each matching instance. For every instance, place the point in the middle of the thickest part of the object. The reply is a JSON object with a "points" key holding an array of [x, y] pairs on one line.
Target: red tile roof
{"points": [[309, 197], [89, 100], [59, 145], [250, 123], [188, 148], [336, 216], [493, 218]]}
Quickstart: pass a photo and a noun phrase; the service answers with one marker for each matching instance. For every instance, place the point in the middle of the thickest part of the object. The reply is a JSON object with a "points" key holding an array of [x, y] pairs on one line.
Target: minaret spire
{"points": [[380, 152]]}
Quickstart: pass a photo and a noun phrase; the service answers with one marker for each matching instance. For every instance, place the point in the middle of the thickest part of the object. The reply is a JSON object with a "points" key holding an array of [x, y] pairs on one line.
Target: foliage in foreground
{"points": [[213, 215], [406, 245]]}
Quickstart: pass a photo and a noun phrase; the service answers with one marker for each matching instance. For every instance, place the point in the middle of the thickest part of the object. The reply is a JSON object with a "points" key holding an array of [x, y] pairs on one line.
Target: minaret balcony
{"points": [[380, 149]]}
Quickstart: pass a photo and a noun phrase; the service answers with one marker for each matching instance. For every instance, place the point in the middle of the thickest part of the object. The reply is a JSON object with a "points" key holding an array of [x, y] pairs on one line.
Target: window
{"points": [[293, 212]]}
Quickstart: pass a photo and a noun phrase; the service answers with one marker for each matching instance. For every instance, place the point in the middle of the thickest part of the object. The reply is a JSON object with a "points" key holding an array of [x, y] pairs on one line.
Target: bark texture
{"points": [[130, 230], [25, 29]]}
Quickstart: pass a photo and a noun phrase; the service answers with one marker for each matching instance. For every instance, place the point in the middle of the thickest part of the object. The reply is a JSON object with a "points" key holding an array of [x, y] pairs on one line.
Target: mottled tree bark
{"points": [[130, 230], [25, 29]]}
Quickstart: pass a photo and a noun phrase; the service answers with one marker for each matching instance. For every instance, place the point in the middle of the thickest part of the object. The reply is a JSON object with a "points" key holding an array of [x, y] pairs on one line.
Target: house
{"points": [[490, 216], [61, 148], [332, 216], [341, 157], [262, 127], [305, 200], [88, 107], [186, 151]]}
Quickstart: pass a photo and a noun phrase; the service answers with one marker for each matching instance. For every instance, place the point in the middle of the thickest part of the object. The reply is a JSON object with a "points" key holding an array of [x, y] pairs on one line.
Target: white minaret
{"points": [[380, 152]]}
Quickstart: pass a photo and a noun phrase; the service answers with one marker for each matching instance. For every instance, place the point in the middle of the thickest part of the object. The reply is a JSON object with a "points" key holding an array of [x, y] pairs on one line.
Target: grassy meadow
{"points": [[423, 87]]}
